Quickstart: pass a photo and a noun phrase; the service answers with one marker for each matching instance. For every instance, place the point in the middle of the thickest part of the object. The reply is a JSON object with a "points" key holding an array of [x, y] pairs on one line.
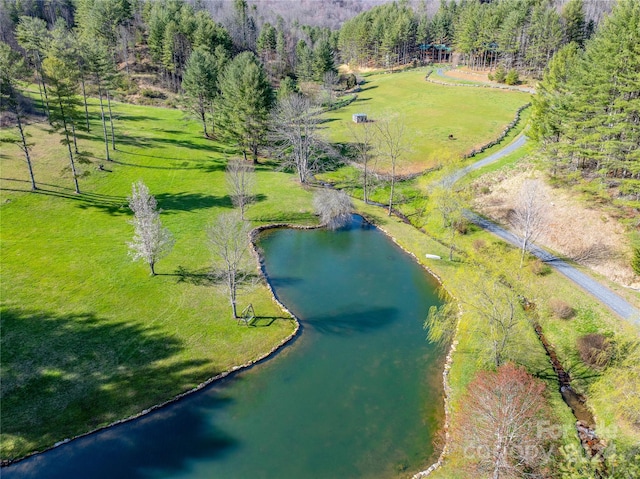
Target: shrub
{"points": [[512, 77], [500, 74], [561, 309], [490, 76], [462, 226], [148, 93], [350, 81], [595, 350], [540, 268]]}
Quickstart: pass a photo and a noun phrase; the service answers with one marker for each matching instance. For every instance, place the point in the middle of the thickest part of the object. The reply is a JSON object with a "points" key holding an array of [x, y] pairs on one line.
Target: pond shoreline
{"points": [[447, 362], [252, 236], [260, 264]]}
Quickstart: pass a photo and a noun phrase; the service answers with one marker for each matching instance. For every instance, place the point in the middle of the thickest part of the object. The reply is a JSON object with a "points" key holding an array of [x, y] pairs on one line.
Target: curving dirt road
{"points": [[603, 294]]}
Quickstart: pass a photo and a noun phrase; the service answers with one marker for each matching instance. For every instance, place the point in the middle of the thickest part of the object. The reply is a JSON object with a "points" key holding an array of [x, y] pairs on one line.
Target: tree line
{"points": [[520, 34], [586, 113]]}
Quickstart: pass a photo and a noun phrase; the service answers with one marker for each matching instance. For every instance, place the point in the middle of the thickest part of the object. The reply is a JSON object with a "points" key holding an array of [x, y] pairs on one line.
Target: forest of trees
{"points": [[228, 69], [520, 34], [586, 113]]}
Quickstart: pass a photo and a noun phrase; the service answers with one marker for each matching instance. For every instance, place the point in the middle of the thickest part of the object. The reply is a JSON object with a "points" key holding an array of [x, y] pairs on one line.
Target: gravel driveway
{"points": [[603, 294]]}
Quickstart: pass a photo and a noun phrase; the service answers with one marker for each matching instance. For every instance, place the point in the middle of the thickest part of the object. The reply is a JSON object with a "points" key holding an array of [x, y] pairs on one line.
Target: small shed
{"points": [[359, 118]]}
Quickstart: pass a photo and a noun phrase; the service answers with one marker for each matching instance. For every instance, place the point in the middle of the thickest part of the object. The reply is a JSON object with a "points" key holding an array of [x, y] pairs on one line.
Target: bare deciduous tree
{"points": [[391, 145], [296, 133], [151, 241], [241, 181], [229, 239], [493, 304], [329, 81], [451, 205], [499, 306], [499, 423], [334, 207], [363, 136], [530, 214]]}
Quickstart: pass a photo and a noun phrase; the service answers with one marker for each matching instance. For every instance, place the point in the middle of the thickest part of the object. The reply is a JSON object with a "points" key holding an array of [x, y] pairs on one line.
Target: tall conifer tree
{"points": [[246, 98]]}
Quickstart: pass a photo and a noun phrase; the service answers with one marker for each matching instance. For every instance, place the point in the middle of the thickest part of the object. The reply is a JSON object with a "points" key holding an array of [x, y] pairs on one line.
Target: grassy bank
{"points": [[89, 337], [591, 316]]}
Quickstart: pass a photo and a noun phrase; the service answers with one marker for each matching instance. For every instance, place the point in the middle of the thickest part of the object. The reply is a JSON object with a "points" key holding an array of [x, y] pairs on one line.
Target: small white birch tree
{"points": [[334, 207], [151, 241], [241, 180], [530, 214], [229, 240]]}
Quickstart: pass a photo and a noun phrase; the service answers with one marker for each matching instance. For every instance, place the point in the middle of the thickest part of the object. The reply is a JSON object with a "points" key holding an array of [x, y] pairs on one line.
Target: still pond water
{"points": [[358, 394]]}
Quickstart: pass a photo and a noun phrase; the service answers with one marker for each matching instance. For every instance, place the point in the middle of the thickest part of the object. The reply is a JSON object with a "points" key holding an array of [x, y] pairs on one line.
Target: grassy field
{"points": [[431, 113], [89, 337]]}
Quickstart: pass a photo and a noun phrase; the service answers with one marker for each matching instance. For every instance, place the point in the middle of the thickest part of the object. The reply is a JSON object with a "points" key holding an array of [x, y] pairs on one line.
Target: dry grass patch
{"points": [[585, 233]]}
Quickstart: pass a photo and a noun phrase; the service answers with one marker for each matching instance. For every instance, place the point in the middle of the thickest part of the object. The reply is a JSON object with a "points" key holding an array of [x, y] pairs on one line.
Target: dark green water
{"points": [[357, 395]]}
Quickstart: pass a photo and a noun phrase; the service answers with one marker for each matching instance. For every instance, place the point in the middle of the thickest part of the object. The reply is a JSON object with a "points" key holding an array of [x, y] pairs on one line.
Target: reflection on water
{"points": [[357, 394]]}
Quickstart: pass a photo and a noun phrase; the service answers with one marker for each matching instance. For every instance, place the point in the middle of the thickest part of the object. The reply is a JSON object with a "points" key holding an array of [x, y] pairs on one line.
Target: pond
{"points": [[358, 394]]}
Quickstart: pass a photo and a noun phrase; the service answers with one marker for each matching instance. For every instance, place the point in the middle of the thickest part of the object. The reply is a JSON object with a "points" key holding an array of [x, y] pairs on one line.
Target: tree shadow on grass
{"points": [[210, 277], [192, 145], [322, 121], [112, 205], [209, 166], [63, 375], [119, 205], [183, 201], [203, 144], [199, 277], [136, 118], [282, 217]]}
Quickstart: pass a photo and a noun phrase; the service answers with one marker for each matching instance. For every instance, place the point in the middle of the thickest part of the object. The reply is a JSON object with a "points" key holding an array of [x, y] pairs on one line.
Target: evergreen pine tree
{"points": [[603, 128], [246, 98], [550, 103], [635, 262], [304, 61], [11, 69], [62, 78], [323, 61], [574, 22], [33, 36], [199, 83]]}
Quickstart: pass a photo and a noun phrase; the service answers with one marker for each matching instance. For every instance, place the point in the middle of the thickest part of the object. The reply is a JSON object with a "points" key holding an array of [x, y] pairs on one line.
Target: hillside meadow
{"points": [[88, 336], [474, 116]]}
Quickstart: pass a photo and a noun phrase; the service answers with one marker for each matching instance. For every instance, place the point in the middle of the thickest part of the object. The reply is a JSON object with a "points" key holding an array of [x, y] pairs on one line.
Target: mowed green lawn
{"points": [[88, 337], [474, 116]]}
